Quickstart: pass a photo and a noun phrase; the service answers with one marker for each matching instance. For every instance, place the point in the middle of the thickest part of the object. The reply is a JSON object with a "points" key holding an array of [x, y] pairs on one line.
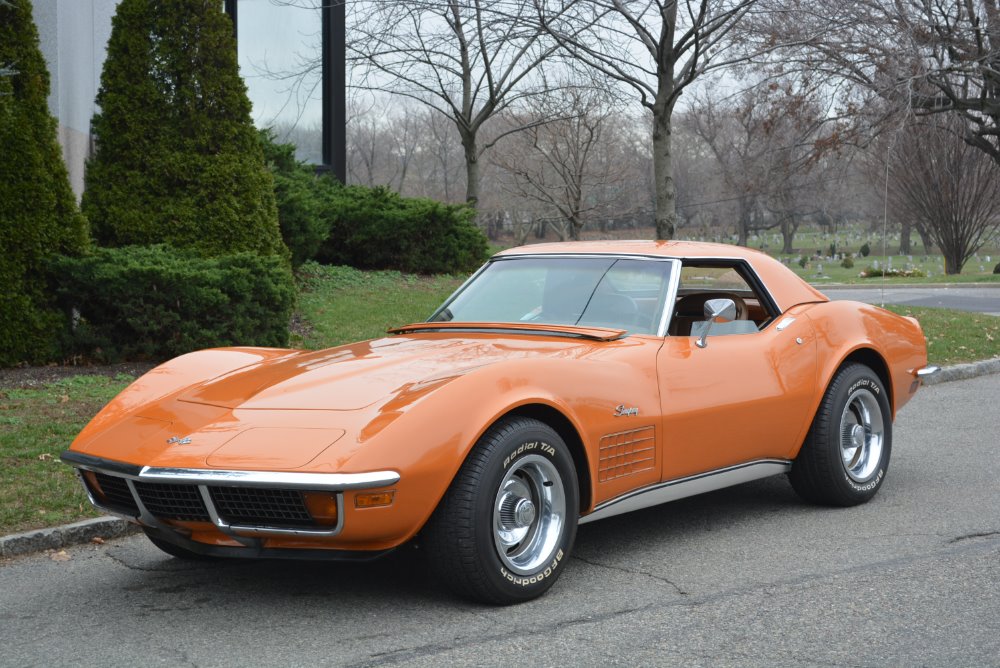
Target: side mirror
{"points": [[716, 308]]}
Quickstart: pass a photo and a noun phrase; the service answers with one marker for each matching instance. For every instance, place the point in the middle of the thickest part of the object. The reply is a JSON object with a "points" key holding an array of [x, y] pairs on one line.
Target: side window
{"points": [[701, 281]]}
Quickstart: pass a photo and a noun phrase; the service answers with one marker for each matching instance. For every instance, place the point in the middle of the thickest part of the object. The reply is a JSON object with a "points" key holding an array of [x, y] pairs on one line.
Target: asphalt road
{"points": [[743, 577], [978, 299]]}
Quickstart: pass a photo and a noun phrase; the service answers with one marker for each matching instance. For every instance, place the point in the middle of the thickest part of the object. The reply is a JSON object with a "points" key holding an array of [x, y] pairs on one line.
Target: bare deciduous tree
{"points": [[655, 47], [767, 142], [950, 187], [467, 59], [930, 57], [566, 165]]}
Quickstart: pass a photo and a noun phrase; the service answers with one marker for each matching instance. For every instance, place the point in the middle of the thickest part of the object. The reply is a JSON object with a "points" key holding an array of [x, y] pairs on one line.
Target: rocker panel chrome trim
{"points": [[681, 488]]}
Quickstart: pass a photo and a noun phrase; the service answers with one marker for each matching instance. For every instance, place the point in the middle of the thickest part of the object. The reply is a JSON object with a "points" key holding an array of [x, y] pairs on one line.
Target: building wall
{"points": [[74, 36]]}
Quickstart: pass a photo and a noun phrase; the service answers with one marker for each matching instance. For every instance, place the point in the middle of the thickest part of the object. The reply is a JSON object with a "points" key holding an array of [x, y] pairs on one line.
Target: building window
{"points": [[291, 55]]}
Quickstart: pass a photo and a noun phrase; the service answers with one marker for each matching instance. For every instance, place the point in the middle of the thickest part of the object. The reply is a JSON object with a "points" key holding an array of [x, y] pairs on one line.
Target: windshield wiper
{"points": [[527, 328]]}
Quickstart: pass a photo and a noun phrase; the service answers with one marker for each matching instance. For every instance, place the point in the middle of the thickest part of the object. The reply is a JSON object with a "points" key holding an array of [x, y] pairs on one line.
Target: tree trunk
{"points": [[663, 174], [953, 261], [905, 247], [471, 169], [787, 235], [926, 239], [575, 225], [743, 223]]}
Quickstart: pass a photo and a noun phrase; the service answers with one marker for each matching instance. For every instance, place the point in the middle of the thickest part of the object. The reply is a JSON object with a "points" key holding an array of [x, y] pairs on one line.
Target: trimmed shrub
{"points": [[847, 262], [38, 212], [303, 199], [996, 269], [375, 228], [865, 249], [872, 272], [154, 302], [178, 160]]}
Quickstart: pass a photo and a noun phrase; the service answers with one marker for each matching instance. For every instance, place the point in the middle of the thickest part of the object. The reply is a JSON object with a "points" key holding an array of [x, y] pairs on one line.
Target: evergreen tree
{"points": [[178, 159], [38, 212]]}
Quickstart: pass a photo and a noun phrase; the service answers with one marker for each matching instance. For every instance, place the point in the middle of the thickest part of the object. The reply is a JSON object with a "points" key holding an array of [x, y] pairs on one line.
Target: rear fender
{"points": [[891, 345]]}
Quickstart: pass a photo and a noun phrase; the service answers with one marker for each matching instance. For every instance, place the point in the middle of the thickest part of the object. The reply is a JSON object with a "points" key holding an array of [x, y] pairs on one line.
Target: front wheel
{"points": [[845, 457], [504, 529]]}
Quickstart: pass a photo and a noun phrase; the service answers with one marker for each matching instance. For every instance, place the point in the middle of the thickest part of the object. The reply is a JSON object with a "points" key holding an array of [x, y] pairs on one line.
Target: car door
{"points": [[741, 398]]}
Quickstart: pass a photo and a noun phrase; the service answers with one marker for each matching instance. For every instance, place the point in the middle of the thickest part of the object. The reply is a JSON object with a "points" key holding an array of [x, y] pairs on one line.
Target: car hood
{"points": [[360, 375]]}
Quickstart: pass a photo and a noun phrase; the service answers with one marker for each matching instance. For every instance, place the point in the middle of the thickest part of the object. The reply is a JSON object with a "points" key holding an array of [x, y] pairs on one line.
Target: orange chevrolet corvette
{"points": [[561, 384]]}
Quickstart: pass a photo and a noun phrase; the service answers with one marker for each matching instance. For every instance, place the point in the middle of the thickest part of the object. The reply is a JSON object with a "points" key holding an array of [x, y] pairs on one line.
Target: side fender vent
{"points": [[626, 452]]}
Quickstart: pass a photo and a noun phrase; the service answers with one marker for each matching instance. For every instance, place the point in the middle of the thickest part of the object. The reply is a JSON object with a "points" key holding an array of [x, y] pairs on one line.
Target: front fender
{"points": [[427, 440]]}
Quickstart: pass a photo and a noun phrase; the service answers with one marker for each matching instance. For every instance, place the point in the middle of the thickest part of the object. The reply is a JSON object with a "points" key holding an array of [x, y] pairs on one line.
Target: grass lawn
{"points": [[336, 305], [810, 242], [340, 305], [36, 425], [821, 272], [955, 336]]}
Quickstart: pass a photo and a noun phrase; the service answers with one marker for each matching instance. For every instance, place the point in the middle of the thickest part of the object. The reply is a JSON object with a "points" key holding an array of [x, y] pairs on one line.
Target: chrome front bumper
{"points": [[204, 479]]}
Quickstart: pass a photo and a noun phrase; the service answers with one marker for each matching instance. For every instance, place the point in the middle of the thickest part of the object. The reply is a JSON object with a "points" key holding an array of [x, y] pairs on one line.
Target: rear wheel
{"points": [[504, 529], [845, 457]]}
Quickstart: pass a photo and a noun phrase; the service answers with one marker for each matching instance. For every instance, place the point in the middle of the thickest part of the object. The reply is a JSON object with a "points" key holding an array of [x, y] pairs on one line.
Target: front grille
{"points": [[252, 506], [173, 502], [261, 507], [115, 494]]}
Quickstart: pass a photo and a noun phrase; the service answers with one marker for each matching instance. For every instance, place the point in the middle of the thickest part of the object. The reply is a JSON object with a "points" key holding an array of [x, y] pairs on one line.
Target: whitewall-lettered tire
{"points": [[504, 529], [845, 457]]}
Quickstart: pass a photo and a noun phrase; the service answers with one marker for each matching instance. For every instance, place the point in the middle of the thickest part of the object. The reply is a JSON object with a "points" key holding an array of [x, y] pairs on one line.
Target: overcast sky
{"points": [[278, 41]]}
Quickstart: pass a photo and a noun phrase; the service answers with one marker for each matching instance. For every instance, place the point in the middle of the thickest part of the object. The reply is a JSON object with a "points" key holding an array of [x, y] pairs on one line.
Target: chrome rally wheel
{"points": [[505, 527], [529, 514], [861, 435]]}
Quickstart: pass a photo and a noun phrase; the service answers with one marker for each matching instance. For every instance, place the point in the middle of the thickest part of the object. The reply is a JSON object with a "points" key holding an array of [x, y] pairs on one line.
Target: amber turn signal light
{"points": [[374, 499], [322, 506]]}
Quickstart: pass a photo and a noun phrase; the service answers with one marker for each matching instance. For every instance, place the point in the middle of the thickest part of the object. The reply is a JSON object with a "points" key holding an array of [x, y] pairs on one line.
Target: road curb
{"points": [[965, 371], [57, 537], [113, 527]]}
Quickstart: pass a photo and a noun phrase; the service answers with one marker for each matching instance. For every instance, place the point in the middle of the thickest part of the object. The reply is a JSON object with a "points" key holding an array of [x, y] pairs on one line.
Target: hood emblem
{"points": [[178, 440], [622, 411]]}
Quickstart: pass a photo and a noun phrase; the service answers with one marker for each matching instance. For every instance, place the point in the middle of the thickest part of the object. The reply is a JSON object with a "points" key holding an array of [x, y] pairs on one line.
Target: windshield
{"points": [[588, 291]]}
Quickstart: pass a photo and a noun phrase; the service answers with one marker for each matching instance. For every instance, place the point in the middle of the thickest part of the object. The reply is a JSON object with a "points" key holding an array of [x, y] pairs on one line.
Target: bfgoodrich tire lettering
{"points": [[845, 457], [504, 529]]}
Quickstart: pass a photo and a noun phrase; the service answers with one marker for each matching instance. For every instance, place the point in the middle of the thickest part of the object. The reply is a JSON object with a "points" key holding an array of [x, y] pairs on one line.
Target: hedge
{"points": [[177, 157], [38, 212], [155, 302], [376, 228], [303, 198]]}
